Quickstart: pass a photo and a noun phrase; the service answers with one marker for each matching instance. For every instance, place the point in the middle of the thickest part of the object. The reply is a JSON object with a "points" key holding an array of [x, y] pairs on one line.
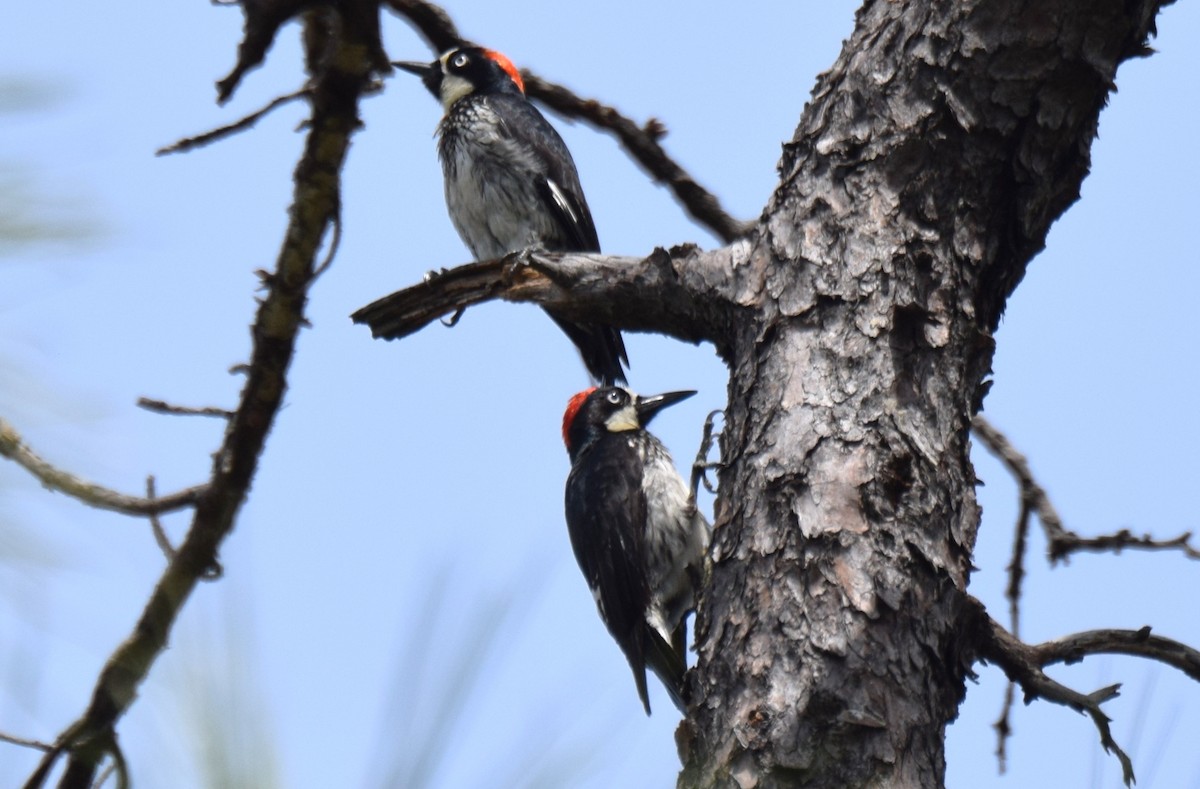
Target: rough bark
{"points": [[922, 178]]}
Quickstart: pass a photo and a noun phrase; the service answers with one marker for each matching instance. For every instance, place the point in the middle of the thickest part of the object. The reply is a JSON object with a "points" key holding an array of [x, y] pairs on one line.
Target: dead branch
{"points": [[163, 407], [1022, 664], [1138, 643], [15, 449], [431, 20], [264, 18], [642, 143], [188, 143], [335, 99], [1033, 493], [658, 293], [25, 742], [1070, 543], [160, 534], [1062, 542], [262, 21]]}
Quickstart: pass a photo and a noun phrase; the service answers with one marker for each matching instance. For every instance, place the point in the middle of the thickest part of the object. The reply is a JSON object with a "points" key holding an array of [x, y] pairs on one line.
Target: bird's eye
{"points": [[459, 60], [615, 397]]}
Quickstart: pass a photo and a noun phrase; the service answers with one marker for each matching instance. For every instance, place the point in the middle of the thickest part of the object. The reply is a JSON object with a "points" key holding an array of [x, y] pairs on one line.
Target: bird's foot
{"points": [[701, 465]]}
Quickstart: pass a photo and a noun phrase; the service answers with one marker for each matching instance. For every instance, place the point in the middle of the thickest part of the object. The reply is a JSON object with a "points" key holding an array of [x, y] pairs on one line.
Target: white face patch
{"points": [[453, 88], [625, 419]]}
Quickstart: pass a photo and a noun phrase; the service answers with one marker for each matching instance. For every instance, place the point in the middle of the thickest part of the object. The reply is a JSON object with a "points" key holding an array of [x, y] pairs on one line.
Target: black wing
{"points": [[559, 185], [605, 510]]}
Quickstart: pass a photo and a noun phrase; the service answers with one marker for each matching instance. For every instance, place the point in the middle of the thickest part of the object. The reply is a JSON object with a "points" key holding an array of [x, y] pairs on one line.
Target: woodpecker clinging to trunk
{"points": [[635, 530], [510, 181]]}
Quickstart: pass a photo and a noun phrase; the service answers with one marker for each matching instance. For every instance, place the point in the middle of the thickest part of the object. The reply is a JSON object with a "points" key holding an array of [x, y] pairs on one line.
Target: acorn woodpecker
{"points": [[510, 181], [635, 530]]}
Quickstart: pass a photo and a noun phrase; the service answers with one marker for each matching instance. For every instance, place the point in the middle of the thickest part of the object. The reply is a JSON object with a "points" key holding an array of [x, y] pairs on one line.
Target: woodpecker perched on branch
{"points": [[635, 529], [510, 181]]}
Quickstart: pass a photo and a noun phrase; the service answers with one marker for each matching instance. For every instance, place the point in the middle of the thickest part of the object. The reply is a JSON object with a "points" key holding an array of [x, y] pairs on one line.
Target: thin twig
{"points": [[25, 743], [1139, 643], [1016, 566], [160, 535], [1016, 573], [1062, 542], [188, 143], [1021, 663], [14, 448], [1071, 542], [104, 775], [163, 407], [345, 70], [433, 22], [334, 243], [642, 143], [999, 445], [1003, 727]]}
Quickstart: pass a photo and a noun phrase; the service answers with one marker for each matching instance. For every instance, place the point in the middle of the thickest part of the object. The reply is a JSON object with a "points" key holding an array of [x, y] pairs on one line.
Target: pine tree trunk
{"points": [[922, 178]]}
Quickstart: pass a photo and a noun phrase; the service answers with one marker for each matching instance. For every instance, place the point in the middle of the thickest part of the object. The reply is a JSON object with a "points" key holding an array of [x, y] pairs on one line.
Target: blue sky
{"points": [[400, 469]]}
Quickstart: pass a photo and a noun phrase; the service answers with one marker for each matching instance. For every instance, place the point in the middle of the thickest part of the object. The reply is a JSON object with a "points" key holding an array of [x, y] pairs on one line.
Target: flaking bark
{"points": [[922, 178]]}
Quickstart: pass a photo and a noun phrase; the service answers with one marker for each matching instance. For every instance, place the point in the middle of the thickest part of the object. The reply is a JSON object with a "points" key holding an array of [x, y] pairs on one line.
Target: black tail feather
{"points": [[668, 664], [601, 347]]}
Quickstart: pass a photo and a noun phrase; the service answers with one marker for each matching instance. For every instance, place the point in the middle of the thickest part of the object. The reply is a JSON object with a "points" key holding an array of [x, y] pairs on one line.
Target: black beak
{"points": [[430, 73], [647, 407]]}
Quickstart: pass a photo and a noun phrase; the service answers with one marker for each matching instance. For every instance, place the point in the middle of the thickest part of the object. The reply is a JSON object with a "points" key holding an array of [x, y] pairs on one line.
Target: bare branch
{"points": [[642, 143], [1062, 542], [1139, 643], [1016, 574], [160, 534], [1031, 492], [262, 21], [163, 407], [1070, 542], [1021, 663], [1016, 567], [658, 293], [345, 73], [264, 18], [334, 244], [1002, 726], [14, 448], [107, 772], [25, 743], [431, 20], [442, 293], [188, 143]]}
